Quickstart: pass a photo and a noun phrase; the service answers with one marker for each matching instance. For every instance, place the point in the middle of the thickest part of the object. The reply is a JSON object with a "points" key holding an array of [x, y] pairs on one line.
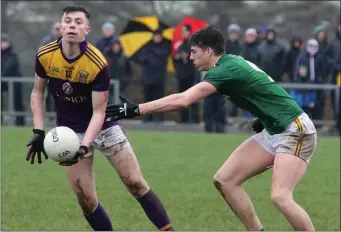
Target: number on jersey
{"points": [[255, 67]]}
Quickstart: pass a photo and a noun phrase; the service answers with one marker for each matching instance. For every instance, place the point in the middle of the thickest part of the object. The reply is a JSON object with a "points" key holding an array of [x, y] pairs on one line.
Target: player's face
{"points": [[74, 27], [201, 58]]}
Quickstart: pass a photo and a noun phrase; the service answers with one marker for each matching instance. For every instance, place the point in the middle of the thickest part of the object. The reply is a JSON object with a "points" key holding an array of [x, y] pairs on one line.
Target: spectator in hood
{"points": [[186, 74], [108, 30], [333, 55], [119, 64], [54, 35], [10, 67], [311, 67], [272, 56], [233, 45], [154, 58], [292, 55], [250, 50]]}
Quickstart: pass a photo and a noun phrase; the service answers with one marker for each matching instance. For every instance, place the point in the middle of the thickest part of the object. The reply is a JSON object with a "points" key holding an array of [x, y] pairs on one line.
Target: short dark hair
{"points": [[71, 9], [208, 37]]}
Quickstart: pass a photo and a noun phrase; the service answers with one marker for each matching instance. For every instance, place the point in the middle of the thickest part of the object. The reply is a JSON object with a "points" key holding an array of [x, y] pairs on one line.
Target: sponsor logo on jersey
{"points": [[67, 88], [72, 99]]}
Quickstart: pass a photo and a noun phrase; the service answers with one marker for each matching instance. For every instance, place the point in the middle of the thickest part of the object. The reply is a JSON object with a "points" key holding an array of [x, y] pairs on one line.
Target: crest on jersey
{"points": [[83, 75], [67, 88]]}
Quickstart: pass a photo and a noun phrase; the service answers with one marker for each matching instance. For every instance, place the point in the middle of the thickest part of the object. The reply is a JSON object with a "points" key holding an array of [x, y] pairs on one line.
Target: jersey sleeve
{"points": [[218, 77], [102, 80], [39, 69]]}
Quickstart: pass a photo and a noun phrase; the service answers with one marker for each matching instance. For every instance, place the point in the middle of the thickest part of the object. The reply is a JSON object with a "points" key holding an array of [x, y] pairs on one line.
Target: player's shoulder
{"points": [[48, 48], [96, 56]]}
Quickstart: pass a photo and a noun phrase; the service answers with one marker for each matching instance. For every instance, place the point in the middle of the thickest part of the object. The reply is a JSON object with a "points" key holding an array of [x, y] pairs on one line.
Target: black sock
{"points": [[99, 220], [155, 211]]}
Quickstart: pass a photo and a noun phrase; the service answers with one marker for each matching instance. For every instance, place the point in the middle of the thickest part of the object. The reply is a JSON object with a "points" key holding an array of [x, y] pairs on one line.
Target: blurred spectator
{"points": [[187, 75], [273, 56], [334, 63], [232, 44], [250, 50], [321, 35], [233, 47], [119, 65], [108, 30], [292, 55], [10, 67], [52, 36], [214, 114], [154, 58], [261, 30], [310, 68]]}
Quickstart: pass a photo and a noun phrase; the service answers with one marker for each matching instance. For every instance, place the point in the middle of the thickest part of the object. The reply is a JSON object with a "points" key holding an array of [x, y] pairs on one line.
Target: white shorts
{"points": [[299, 139], [109, 141]]}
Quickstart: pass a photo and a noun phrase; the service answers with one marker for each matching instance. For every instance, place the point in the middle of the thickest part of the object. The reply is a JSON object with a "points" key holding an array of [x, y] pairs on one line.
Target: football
{"points": [[61, 143]]}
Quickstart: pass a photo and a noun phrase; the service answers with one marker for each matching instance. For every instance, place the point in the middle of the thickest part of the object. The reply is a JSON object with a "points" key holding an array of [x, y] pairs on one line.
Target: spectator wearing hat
{"points": [[233, 45], [186, 74], [292, 55], [250, 50], [10, 67], [108, 30]]}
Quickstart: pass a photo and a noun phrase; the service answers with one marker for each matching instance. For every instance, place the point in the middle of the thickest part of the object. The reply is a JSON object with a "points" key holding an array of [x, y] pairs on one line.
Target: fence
{"points": [[11, 113]]}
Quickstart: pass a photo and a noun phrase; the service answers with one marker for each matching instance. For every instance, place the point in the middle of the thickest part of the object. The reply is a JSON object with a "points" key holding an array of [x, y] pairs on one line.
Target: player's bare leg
{"points": [[127, 167], [288, 170], [249, 159], [81, 178]]}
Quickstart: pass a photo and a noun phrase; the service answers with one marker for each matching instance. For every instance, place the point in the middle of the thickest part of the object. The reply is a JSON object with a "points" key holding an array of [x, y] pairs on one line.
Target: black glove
{"points": [[128, 109], [83, 150], [37, 146], [257, 125]]}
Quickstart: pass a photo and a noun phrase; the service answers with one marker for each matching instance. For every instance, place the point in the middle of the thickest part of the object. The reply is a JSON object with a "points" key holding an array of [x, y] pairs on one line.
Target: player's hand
{"points": [[128, 109], [36, 145], [83, 150], [257, 126]]}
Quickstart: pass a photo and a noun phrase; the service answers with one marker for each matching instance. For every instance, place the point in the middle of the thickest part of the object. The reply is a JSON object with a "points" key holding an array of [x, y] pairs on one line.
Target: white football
{"points": [[61, 143]]}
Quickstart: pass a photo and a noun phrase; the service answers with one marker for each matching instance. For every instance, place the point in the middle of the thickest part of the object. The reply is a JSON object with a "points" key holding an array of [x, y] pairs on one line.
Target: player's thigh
{"points": [[249, 159], [114, 144], [81, 178]]}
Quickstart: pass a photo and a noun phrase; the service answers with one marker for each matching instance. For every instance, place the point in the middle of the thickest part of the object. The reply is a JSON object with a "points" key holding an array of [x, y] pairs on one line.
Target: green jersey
{"points": [[253, 90]]}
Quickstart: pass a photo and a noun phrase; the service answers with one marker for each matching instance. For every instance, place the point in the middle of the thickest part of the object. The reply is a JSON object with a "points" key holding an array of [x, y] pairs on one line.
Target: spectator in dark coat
{"points": [[108, 30], [311, 67], [233, 45], [154, 58], [333, 56], [186, 74], [273, 56], [10, 67], [321, 35], [119, 64], [250, 50], [261, 30], [292, 55]]}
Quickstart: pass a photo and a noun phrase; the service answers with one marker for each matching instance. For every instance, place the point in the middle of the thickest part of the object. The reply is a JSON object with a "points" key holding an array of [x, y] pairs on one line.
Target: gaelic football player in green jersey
{"points": [[286, 138]]}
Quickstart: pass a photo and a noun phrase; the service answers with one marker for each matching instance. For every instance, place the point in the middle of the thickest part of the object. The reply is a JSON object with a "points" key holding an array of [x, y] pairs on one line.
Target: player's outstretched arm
{"points": [[99, 104], [170, 103]]}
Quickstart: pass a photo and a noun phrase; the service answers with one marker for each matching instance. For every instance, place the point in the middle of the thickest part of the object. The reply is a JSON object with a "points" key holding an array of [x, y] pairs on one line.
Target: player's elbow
{"points": [[183, 102]]}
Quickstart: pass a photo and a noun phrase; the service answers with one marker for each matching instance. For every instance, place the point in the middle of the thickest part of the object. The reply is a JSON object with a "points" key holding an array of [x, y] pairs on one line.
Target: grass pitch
{"points": [[179, 167]]}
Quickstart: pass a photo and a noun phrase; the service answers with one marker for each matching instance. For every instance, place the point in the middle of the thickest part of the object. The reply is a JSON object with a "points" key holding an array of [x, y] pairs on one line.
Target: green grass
{"points": [[179, 167]]}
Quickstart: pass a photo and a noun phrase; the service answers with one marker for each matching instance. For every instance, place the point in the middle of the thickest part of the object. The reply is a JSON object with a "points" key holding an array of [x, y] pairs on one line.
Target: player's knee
{"points": [[86, 198], [281, 198], [220, 180], [136, 185]]}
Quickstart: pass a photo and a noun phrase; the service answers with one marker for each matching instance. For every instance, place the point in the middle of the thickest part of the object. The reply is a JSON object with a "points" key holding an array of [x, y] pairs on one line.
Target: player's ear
{"points": [[88, 29]]}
